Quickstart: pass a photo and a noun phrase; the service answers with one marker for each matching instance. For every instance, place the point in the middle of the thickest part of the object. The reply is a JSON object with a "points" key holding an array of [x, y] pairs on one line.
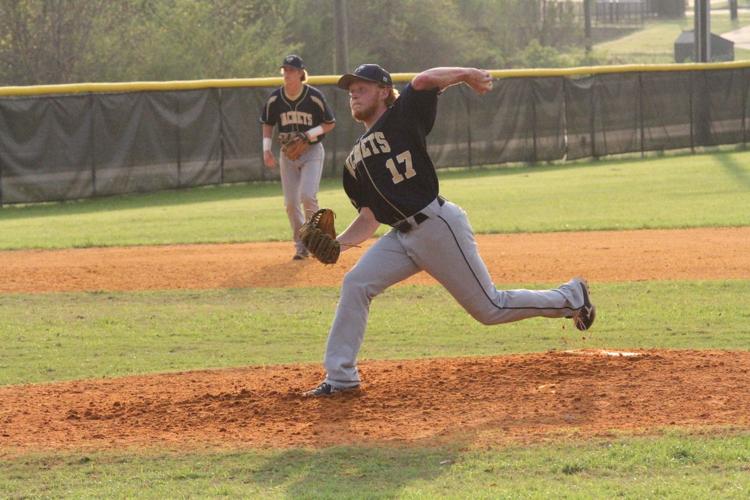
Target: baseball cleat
{"points": [[326, 389], [300, 256], [584, 317]]}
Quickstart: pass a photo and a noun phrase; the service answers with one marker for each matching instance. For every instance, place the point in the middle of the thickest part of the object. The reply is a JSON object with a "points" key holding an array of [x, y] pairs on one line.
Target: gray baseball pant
{"points": [[300, 182], [443, 246]]}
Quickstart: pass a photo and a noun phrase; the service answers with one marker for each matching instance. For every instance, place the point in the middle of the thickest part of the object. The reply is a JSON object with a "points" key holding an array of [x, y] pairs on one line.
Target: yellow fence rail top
{"points": [[114, 87]]}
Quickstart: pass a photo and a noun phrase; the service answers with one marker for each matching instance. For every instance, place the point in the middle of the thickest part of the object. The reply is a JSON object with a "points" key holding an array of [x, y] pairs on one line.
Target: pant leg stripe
{"points": [[479, 283]]}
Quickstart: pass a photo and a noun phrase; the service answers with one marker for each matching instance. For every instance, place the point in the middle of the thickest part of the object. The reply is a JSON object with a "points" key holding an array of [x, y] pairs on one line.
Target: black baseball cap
{"points": [[294, 61], [367, 72]]}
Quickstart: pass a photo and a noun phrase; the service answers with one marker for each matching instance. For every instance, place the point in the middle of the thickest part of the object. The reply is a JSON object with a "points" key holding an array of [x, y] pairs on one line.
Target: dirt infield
{"points": [[485, 400], [603, 256]]}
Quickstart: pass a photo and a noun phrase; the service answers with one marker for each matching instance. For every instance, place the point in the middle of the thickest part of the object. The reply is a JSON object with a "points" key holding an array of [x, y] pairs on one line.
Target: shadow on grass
{"points": [[341, 472], [353, 472], [734, 168]]}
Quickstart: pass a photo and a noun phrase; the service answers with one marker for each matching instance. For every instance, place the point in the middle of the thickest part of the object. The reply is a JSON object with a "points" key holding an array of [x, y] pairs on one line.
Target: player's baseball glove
{"points": [[294, 144], [319, 236]]}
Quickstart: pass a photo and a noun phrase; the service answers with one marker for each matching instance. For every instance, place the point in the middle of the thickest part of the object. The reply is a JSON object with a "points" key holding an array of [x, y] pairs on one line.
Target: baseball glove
{"points": [[319, 236], [294, 144]]}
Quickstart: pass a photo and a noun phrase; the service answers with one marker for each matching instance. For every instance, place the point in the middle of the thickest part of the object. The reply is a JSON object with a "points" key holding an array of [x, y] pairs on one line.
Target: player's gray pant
{"points": [[300, 181], [444, 246]]}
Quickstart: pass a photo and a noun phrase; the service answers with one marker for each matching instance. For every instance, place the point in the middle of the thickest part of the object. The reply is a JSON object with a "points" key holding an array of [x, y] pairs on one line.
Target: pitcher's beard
{"points": [[362, 115]]}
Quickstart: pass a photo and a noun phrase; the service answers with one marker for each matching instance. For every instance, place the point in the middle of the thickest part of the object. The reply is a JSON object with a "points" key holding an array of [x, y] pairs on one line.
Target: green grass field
{"points": [[675, 191], [61, 336], [48, 337], [675, 466]]}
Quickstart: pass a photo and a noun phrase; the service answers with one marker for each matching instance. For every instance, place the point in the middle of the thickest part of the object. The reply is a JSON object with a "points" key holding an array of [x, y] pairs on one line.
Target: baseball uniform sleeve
{"points": [[269, 115], [325, 110], [419, 107]]}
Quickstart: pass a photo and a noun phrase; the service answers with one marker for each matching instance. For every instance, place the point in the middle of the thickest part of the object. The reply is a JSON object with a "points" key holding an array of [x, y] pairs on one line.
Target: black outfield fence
{"points": [[79, 141]]}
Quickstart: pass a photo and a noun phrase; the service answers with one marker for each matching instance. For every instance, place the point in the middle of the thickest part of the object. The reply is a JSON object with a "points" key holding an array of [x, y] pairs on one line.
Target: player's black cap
{"points": [[367, 72], [294, 61]]}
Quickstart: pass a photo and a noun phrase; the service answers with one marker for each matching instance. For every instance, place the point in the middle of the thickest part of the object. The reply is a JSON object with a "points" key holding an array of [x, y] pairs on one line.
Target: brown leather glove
{"points": [[319, 236], [294, 144]]}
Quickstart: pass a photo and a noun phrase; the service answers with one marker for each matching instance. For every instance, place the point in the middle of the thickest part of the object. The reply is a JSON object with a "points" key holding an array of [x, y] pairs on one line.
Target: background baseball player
{"points": [[303, 118], [390, 179]]}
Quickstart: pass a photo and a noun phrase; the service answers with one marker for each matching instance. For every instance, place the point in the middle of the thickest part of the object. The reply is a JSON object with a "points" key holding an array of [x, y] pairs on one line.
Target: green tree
{"points": [[401, 35], [410, 35], [193, 39], [46, 41], [310, 28], [59, 41]]}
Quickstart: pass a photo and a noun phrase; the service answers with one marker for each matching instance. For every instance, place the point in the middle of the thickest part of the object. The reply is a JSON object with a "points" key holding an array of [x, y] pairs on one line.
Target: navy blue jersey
{"points": [[309, 110], [389, 170]]}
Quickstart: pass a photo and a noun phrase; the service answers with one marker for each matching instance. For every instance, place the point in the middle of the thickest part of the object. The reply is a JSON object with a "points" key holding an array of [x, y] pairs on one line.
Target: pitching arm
{"points": [[441, 78]]}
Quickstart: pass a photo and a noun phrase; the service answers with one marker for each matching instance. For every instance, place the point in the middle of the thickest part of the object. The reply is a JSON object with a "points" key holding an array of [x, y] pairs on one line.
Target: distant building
{"points": [[669, 9], [619, 12], [633, 12]]}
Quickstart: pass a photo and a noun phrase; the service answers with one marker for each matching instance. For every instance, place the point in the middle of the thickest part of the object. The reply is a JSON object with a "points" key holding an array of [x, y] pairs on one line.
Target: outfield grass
{"points": [[48, 337], [654, 44], [676, 191], [724, 4], [668, 466]]}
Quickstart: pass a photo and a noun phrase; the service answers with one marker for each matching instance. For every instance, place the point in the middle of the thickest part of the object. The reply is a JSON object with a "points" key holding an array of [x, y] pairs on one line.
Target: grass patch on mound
{"points": [[671, 192], [673, 465], [62, 336]]}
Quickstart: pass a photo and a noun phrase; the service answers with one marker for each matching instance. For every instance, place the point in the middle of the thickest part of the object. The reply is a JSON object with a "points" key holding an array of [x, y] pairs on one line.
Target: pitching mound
{"points": [[487, 400]]}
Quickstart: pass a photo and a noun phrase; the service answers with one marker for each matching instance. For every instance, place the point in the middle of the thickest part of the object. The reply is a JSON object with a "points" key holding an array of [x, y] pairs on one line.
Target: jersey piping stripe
{"points": [[299, 99], [319, 103], [271, 100], [367, 171], [364, 164], [476, 278]]}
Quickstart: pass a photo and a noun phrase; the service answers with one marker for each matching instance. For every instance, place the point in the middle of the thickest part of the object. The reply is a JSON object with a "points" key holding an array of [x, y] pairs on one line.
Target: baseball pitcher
{"points": [[390, 179]]}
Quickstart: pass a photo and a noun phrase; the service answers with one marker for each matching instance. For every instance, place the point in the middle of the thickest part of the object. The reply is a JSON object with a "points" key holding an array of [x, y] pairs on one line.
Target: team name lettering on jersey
{"points": [[370, 145], [296, 117]]}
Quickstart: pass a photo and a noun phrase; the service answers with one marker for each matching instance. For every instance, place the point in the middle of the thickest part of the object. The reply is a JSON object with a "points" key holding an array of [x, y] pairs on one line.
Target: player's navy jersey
{"points": [[309, 110], [389, 170]]}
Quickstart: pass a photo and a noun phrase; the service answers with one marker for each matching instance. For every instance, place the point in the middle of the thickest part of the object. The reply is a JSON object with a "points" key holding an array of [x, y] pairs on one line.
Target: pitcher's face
{"points": [[365, 98]]}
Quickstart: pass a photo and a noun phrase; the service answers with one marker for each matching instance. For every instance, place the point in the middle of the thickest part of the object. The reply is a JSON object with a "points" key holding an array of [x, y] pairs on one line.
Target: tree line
{"points": [[67, 41]]}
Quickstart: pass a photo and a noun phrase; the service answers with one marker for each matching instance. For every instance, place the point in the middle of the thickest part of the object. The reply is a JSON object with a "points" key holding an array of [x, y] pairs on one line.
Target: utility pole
{"points": [[342, 37], [702, 31], [733, 9], [587, 23], [340, 66], [702, 35]]}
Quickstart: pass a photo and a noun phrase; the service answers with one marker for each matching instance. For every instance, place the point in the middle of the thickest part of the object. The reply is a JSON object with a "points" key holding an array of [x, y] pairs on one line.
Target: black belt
{"points": [[405, 226]]}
